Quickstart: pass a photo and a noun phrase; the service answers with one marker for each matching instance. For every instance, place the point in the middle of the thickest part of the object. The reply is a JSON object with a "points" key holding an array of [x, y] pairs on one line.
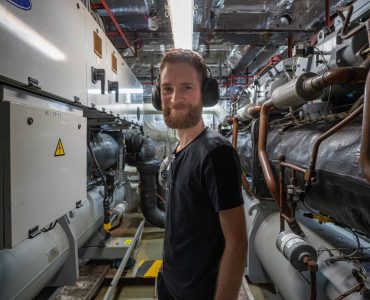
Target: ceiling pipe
{"points": [[123, 36], [327, 13]]}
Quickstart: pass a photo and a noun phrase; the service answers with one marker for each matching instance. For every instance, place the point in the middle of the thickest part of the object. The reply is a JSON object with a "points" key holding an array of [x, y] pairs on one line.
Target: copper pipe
{"points": [[337, 76], [356, 288], [235, 132], [234, 122], [281, 192], [366, 63], [365, 136], [247, 187], [327, 13], [118, 27], [294, 167], [343, 33], [312, 267], [310, 172], [254, 111], [262, 154], [287, 218]]}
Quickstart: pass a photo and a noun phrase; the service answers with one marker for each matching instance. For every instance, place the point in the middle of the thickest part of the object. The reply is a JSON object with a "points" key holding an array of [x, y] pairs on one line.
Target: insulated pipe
{"points": [[148, 166], [365, 137], [106, 151], [248, 112]]}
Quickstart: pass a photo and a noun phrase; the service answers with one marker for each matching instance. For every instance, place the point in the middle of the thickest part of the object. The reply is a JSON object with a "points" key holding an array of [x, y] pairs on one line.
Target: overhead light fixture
{"points": [[181, 15]]}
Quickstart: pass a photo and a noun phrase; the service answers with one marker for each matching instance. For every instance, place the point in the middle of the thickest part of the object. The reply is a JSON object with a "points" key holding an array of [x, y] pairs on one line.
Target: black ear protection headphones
{"points": [[210, 92]]}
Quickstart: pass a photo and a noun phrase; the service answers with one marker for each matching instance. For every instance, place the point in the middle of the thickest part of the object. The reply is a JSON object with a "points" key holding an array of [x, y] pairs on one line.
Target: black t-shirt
{"points": [[204, 178]]}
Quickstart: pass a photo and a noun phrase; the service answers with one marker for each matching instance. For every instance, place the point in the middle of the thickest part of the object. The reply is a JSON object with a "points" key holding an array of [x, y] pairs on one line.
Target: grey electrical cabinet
{"points": [[42, 163]]}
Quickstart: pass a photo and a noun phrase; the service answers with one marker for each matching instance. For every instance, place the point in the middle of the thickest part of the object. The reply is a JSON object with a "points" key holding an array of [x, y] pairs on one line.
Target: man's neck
{"points": [[186, 136]]}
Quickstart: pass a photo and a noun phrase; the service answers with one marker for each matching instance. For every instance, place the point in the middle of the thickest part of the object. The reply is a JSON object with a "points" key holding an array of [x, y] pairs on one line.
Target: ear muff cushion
{"points": [[211, 93], [156, 97]]}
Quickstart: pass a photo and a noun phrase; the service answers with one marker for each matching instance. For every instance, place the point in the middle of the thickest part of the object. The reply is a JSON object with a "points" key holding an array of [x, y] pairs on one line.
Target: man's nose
{"points": [[177, 96]]}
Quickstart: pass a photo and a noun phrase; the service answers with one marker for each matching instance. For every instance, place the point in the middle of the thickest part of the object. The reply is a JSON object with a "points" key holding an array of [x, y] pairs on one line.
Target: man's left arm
{"points": [[234, 257]]}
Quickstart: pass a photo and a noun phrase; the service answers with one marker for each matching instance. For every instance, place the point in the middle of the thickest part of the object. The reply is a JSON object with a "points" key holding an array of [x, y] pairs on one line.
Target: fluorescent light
{"points": [[25, 33], [121, 91], [132, 91], [181, 14]]}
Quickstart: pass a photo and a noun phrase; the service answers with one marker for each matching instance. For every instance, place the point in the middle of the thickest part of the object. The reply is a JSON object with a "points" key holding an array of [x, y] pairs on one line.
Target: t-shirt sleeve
{"points": [[222, 178]]}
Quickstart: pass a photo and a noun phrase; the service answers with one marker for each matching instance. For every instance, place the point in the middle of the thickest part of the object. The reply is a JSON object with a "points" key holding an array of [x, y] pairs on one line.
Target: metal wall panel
{"points": [[42, 187], [46, 43]]}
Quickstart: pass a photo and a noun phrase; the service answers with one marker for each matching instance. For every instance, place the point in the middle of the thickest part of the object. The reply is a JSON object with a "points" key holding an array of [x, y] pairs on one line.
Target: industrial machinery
{"points": [[303, 140], [62, 154], [70, 121]]}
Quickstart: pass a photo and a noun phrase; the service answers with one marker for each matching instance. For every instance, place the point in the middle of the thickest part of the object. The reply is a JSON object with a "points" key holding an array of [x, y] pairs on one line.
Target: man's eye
{"points": [[188, 87], [166, 89]]}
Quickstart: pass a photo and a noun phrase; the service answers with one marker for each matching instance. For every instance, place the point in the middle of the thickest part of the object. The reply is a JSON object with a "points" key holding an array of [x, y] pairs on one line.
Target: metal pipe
{"points": [[281, 188], [123, 36], [365, 137], [265, 164], [310, 172], [293, 167], [343, 33], [337, 76], [113, 285], [327, 13], [262, 154], [235, 123]]}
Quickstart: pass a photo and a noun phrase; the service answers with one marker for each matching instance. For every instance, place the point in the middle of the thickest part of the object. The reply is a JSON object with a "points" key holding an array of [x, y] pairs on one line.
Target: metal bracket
{"points": [[70, 271]]}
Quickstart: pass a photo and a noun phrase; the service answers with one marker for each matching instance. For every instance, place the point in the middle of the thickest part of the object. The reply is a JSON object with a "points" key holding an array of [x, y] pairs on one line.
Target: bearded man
{"points": [[205, 243]]}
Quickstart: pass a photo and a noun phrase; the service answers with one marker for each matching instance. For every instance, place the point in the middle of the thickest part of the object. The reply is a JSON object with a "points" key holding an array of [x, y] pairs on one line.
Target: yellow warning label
{"points": [[127, 242], [59, 151], [154, 269]]}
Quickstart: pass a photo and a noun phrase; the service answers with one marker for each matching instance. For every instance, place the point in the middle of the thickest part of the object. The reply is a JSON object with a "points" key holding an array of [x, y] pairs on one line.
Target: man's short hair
{"points": [[185, 56]]}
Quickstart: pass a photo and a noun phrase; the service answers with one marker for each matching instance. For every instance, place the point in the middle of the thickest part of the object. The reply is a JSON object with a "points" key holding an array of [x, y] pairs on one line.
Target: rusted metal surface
{"points": [[91, 277]]}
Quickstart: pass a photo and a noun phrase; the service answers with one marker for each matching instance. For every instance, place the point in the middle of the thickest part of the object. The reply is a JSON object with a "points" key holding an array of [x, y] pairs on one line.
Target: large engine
{"points": [[304, 145]]}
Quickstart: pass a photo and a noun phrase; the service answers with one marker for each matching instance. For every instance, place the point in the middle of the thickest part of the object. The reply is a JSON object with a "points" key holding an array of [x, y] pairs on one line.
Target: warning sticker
{"points": [[59, 151], [149, 268]]}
